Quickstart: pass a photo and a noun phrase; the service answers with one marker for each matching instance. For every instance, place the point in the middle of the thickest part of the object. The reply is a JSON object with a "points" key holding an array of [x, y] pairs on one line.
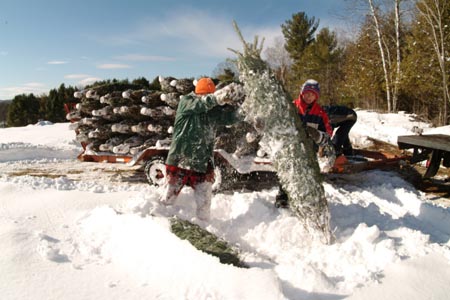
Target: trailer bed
{"points": [[430, 141], [431, 147]]}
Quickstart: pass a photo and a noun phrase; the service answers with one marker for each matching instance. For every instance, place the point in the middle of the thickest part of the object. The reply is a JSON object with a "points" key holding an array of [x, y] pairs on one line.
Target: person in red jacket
{"points": [[315, 120], [310, 112]]}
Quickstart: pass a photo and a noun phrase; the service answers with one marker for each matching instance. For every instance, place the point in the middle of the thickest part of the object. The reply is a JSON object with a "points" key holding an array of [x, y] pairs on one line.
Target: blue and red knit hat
{"points": [[311, 85]]}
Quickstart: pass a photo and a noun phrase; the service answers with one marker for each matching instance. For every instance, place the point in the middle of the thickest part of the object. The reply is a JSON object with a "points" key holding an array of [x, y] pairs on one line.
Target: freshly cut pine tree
{"points": [[269, 108]]}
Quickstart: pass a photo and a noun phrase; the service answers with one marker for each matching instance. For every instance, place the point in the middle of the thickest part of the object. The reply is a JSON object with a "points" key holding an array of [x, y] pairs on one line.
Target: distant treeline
{"points": [[27, 109], [4, 111], [396, 59]]}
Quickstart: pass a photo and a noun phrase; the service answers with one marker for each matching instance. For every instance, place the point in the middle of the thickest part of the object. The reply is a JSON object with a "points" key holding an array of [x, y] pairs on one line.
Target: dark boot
{"points": [[281, 199], [348, 150]]}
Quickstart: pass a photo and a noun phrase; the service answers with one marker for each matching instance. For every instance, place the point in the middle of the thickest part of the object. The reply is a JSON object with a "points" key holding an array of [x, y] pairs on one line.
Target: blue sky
{"points": [[44, 43]]}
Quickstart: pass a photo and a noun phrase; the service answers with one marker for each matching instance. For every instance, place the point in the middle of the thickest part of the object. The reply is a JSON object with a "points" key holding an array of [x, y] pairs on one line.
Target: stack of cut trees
{"points": [[125, 122]]}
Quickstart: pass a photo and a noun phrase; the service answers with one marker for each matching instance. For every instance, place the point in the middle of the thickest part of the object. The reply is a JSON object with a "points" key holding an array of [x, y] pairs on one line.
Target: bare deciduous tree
{"points": [[398, 73], [279, 59], [433, 13], [383, 49], [391, 64]]}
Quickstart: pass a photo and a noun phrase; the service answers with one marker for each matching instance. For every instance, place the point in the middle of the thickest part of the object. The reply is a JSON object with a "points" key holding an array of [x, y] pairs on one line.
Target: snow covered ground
{"points": [[92, 237]]}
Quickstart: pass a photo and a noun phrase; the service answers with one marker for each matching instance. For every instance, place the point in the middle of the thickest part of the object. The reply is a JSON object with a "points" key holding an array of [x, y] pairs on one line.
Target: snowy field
{"points": [[96, 238]]}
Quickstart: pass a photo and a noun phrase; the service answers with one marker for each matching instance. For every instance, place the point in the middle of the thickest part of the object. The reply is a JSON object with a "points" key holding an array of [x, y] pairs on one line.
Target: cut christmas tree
{"points": [[269, 108]]}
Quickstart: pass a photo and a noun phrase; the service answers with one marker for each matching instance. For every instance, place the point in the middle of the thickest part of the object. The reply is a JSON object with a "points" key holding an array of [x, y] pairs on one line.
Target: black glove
{"points": [[319, 137], [327, 149]]}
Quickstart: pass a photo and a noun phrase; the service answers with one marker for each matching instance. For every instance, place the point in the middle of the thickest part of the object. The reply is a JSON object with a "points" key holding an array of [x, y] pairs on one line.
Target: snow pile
{"points": [[386, 127], [64, 239]]}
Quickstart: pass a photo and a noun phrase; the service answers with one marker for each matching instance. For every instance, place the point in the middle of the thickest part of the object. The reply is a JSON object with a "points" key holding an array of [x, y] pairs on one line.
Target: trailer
{"points": [[434, 148], [364, 160], [232, 171]]}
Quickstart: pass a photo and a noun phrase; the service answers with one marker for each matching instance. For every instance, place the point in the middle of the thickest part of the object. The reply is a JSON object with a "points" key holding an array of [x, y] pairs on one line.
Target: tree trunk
{"points": [[398, 74], [382, 55]]}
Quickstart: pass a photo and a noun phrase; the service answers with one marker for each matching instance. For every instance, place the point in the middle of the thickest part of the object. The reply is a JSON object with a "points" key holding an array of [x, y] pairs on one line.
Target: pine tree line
{"points": [[27, 109], [395, 62], [398, 60]]}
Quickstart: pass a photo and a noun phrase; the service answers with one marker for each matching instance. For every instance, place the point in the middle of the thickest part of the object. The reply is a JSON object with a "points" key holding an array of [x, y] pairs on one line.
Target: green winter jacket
{"points": [[195, 131]]}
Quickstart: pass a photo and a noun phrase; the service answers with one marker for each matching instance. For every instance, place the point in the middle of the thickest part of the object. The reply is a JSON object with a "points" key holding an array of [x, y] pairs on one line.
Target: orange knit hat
{"points": [[205, 86]]}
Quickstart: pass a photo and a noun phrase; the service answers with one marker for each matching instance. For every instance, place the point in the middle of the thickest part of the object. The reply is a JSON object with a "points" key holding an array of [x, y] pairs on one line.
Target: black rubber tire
{"points": [[155, 171], [434, 164], [225, 177]]}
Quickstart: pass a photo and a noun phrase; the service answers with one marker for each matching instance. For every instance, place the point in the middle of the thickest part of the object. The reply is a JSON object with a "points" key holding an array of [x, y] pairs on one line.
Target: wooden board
{"points": [[429, 141]]}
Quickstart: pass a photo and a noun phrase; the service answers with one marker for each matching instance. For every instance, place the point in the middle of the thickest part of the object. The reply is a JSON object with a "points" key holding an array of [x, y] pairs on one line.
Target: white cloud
{"points": [[76, 76], [113, 66], [89, 80], [195, 31], [3, 53], [35, 88], [34, 84], [57, 62], [142, 57], [269, 34]]}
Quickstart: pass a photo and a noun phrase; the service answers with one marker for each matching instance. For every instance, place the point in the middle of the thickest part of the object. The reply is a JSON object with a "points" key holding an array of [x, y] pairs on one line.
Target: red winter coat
{"points": [[314, 116]]}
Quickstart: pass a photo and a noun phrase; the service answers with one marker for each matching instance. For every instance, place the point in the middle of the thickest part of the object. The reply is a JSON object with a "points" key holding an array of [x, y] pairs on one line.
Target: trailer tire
{"points": [[225, 178], [433, 164], [155, 171]]}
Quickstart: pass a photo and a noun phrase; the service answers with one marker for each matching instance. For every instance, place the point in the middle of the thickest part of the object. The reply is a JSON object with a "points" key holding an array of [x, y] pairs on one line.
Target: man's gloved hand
{"points": [[326, 157], [230, 94], [319, 137], [327, 149]]}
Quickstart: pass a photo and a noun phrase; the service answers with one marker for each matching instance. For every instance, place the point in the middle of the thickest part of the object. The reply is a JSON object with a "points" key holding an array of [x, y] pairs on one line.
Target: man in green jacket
{"points": [[190, 158]]}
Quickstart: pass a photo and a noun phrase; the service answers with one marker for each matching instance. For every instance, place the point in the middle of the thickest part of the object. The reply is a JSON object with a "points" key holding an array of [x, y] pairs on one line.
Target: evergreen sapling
{"points": [[269, 108]]}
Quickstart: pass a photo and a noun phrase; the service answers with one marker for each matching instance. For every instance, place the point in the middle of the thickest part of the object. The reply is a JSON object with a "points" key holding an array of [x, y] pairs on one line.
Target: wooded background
{"points": [[396, 59]]}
